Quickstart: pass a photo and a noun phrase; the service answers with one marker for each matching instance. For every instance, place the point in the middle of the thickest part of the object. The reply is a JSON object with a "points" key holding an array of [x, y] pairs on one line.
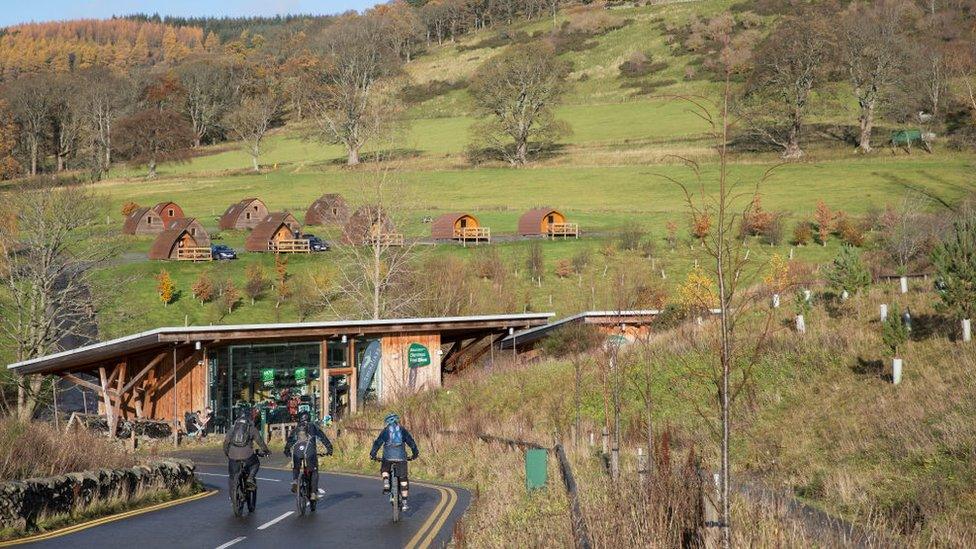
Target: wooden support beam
{"points": [[138, 377], [169, 378], [87, 384], [120, 396], [106, 401], [450, 364], [450, 352]]}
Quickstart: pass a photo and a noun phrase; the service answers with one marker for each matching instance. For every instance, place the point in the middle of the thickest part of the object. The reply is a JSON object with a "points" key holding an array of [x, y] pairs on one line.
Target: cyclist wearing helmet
{"points": [[239, 448], [301, 444], [394, 439]]}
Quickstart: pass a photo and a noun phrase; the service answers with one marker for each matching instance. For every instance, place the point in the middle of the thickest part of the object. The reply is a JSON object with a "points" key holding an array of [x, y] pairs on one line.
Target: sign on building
{"points": [[418, 355], [267, 377]]}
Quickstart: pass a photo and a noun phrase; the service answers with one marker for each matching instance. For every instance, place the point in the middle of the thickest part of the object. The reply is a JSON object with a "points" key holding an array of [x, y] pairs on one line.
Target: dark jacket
{"points": [[391, 451], [244, 452], [314, 432]]}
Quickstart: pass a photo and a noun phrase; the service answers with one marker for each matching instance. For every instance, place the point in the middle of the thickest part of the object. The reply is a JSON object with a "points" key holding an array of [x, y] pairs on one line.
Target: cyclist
{"points": [[394, 439], [301, 444], [239, 449]]}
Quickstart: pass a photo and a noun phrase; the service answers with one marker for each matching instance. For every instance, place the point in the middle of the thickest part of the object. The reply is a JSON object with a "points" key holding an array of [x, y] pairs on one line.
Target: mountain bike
{"points": [[304, 493], [242, 496], [396, 491]]}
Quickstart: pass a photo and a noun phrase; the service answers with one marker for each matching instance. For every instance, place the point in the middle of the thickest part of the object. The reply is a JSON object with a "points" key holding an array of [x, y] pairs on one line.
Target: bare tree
{"points": [[376, 277], [515, 93], [209, 93], [31, 102], [103, 96], [735, 347], [48, 296], [67, 117], [251, 121], [347, 104], [872, 37], [789, 63]]}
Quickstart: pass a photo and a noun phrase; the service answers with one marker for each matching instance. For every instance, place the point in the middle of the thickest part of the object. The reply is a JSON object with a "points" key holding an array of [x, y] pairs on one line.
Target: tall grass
{"points": [[37, 449]]}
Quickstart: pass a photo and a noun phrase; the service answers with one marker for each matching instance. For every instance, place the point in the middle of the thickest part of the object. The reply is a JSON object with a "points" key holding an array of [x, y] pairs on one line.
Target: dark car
{"points": [[316, 244], [221, 252]]}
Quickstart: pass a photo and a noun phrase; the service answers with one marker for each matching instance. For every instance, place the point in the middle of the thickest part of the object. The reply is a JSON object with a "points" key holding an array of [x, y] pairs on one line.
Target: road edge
{"points": [[106, 519]]}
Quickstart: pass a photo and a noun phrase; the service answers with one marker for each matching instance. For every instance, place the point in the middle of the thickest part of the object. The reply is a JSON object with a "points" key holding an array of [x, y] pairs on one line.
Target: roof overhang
{"points": [[450, 328], [600, 318]]}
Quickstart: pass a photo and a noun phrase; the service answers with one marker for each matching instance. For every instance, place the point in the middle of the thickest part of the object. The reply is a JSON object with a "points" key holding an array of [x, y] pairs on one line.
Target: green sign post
{"points": [[535, 468], [418, 355]]}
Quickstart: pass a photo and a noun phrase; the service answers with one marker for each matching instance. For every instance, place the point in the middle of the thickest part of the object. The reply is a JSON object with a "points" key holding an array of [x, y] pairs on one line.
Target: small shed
{"points": [[371, 225], [246, 214], [329, 209], [143, 221], [278, 232], [169, 211], [546, 222], [459, 226], [183, 240]]}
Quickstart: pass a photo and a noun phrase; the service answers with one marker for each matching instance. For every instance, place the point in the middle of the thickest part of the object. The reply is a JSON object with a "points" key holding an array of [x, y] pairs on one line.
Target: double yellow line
{"points": [[432, 526], [104, 520]]}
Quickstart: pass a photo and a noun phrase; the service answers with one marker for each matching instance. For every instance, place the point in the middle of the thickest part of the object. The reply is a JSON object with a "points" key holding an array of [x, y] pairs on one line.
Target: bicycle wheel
{"points": [[252, 500], [395, 496], [301, 496], [237, 498]]}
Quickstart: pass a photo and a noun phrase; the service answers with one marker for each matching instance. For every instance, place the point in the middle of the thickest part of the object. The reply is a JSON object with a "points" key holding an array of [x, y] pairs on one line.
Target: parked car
{"points": [[221, 252], [316, 244]]}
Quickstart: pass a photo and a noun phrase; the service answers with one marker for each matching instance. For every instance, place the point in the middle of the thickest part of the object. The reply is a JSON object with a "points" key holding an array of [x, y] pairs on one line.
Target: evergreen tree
{"points": [[955, 263]]}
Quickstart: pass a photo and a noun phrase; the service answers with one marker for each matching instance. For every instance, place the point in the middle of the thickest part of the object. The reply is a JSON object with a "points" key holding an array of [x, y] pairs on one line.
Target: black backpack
{"points": [[241, 434]]}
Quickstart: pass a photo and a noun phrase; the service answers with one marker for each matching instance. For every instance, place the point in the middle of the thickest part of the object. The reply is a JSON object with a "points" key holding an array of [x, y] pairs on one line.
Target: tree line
{"points": [[79, 95]]}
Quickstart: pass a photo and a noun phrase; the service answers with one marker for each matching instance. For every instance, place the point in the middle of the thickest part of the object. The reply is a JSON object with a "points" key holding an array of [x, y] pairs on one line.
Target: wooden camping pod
{"points": [[546, 222], [169, 211], [183, 240], [143, 221], [328, 209], [278, 232], [370, 224], [245, 214], [459, 226]]}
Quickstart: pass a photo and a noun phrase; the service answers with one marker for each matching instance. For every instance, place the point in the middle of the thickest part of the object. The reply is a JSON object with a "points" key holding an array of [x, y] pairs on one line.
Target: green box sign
{"points": [[267, 377], [300, 375], [536, 461], [418, 355]]}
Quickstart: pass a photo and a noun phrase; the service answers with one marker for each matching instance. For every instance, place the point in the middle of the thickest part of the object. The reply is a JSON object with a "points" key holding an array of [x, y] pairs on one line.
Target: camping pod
{"points": [[371, 225], [183, 240], [459, 226], [246, 214], [143, 221], [546, 222], [168, 211], [329, 209], [278, 232]]}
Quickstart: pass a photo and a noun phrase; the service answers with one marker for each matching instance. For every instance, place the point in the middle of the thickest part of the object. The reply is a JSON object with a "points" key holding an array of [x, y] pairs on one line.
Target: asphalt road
{"points": [[351, 513]]}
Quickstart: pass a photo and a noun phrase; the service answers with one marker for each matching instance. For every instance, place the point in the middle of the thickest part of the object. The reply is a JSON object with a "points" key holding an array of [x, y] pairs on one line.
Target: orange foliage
{"points": [[69, 45], [701, 225], [825, 221]]}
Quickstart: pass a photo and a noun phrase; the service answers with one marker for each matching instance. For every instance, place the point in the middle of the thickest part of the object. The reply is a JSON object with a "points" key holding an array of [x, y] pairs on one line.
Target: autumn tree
{"points": [[157, 132], [825, 219], [515, 95], [67, 117], [789, 63], [256, 282], [9, 131], [348, 104], [203, 287], [402, 27], [872, 39], [165, 287]]}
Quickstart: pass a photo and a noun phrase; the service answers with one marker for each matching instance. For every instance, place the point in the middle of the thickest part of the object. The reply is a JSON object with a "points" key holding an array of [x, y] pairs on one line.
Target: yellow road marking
{"points": [[444, 498], [432, 534], [104, 520]]}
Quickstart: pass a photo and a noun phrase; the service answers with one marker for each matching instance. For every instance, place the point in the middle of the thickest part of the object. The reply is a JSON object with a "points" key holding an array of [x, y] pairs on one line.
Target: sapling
{"points": [[894, 334], [802, 307]]}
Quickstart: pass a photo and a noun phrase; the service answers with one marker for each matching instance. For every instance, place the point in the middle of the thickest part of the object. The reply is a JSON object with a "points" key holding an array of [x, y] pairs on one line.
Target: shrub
{"points": [[803, 233], [581, 260], [894, 332], [203, 288], [640, 65], [571, 339], [850, 233], [419, 93], [672, 229], [564, 268], [489, 266], [37, 449], [128, 208], [535, 263], [630, 238], [847, 272], [955, 268]]}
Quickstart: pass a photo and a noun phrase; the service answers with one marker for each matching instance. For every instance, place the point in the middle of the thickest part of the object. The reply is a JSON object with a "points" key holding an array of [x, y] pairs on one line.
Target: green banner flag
{"points": [[417, 355]]}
